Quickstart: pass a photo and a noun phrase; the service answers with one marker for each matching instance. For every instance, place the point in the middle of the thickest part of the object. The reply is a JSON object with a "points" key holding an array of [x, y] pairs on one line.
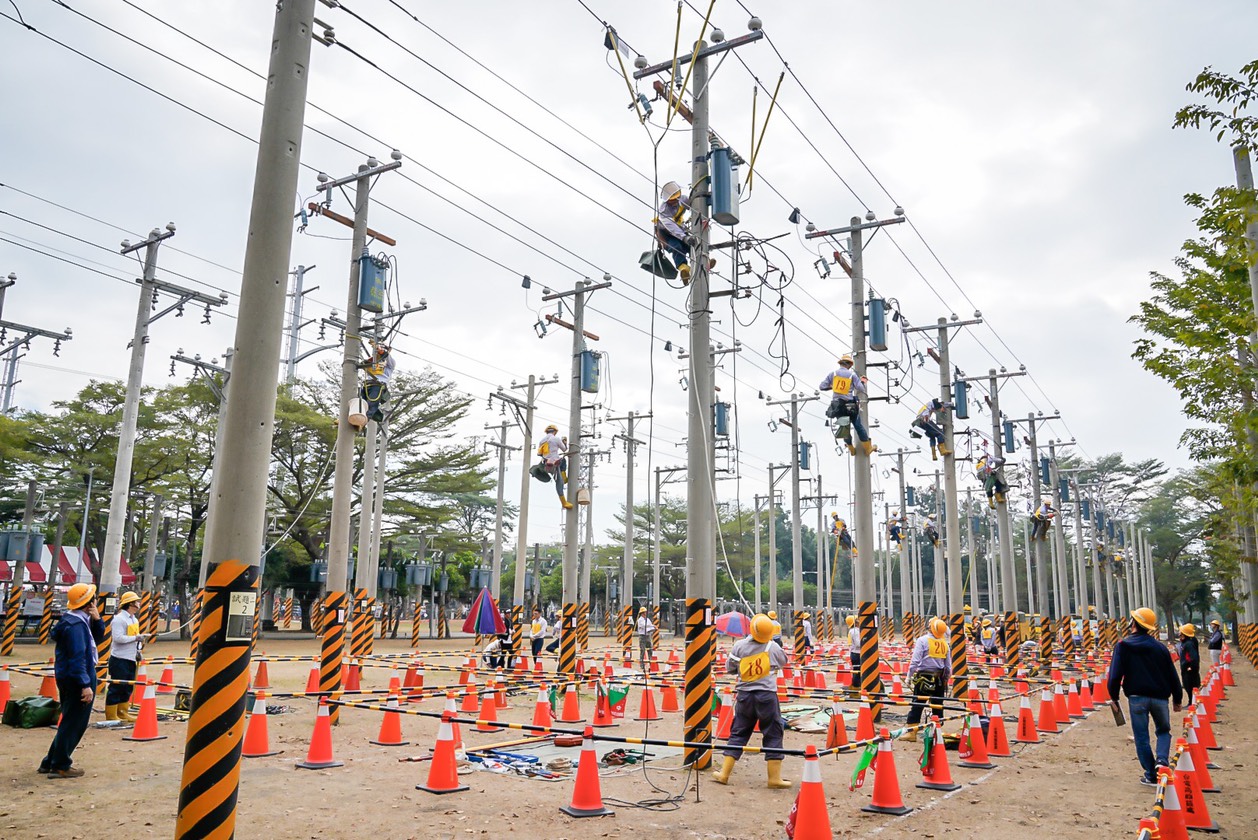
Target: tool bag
{"points": [[31, 712], [540, 472]]}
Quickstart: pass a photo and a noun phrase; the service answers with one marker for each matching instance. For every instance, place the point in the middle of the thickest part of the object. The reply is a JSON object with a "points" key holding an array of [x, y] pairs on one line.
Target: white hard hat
{"points": [[670, 190]]}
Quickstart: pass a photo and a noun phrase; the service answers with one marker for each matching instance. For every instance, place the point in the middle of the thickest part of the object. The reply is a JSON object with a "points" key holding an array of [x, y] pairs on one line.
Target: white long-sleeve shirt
{"points": [[126, 643], [645, 627], [555, 448], [539, 628], [382, 372], [844, 383]]}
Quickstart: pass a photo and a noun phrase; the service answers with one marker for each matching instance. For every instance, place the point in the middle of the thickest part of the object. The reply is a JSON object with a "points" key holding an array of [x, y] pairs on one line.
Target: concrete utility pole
{"points": [[18, 337], [211, 770], [13, 604], [701, 463], [572, 540], [906, 586], [525, 407], [495, 568], [1059, 535], [336, 601], [773, 535], [366, 504], [756, 553], [150, 286], [797, 549], [295, 323], [626, 569]]}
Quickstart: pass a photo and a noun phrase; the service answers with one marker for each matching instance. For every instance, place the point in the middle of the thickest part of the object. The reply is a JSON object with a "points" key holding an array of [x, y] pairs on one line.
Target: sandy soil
{"points": [[1081, 783]]}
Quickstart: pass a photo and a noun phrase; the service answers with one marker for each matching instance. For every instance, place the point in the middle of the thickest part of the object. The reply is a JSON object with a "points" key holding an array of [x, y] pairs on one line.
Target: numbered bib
{"points": [[987, 635], [842, 385], [751, 668], [937, 649]]}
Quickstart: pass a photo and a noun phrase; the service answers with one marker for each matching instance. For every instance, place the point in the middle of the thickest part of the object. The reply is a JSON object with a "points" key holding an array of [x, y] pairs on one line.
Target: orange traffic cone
{"points": [[146, 723], [974, 702], [1228, 679], [587, 798], [974, 746], [886, 798], [725, 718], [167, 683], [668, 697], [1188, 787], [353, 677], [1026, 733], [1205, 732], [312, 682], [936, 775], [836, 733], [809, 819], [500, 692], [537, 666], [465, 671], [1074, 705], [470, 698], [454, 726], [443, 775], [391, 727], [541, 711], [997, 740], [646, 705], [1085, 695], [1200, 761], [571, 706], [5, 688], [1048, 715], [1100, 695], [488, 714], [1171, 825], [1060, 713], [263, 678], [864, 721], [257, 741], [602, 709], [897, 687], [48, 685], [319, 756]]}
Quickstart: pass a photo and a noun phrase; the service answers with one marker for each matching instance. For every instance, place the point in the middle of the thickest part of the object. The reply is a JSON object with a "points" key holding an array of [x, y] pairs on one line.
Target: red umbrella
{"points": [[733, 624], [483, 617]]}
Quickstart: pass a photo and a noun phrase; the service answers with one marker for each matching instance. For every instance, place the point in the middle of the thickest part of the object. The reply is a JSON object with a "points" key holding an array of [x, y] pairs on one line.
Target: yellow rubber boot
{"points": [[111, 711], [567, 505], [869, 447], [727, 765], [944, 450], [776, 782], [124, 712], [933, 454]]}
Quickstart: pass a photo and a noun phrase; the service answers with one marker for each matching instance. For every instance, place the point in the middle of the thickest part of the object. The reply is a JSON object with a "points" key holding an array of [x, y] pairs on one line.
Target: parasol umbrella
{"points": [[733, 624], [483, 617]]}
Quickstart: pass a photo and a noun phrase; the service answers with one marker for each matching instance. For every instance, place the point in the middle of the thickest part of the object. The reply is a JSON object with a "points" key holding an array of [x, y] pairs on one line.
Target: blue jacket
{"points": [[75, 636], [1142, 666]]}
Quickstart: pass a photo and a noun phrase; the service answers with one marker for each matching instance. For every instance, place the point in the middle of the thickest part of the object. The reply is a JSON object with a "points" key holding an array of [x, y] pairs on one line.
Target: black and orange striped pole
{"points": [[568, 639], [415, 621], [210, 781], [625, 630], [960, 674], [870, 678], [1013, 643], [700, 642], [1046, 641], [360, 634], [196, 624]]}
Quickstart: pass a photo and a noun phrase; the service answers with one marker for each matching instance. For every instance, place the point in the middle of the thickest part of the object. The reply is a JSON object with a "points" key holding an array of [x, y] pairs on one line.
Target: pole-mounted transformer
{"points": [[724, 187], [960, 396], [877, 324], [805, 455], [1010, 442], [720, 419], [373, 280], [1044, 472]]}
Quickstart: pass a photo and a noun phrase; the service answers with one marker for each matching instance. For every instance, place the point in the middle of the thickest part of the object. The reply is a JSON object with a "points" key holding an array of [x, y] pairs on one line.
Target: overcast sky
{"points": [[1031, 148]]}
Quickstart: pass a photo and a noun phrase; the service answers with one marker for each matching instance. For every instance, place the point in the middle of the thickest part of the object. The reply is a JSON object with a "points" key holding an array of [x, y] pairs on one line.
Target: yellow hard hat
{"points": [[987, 622], [80, 595], [670, 191], [1215, 623], [1145, 617], [846, 358], [938, 628], [803, 616], [1189, 630], [966, 608], [851, 621], [761, 628], [552, 428], [773, 614], [127, 598]]}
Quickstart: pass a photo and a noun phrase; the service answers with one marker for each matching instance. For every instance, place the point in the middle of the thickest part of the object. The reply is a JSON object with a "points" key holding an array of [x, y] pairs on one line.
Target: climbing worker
{"points": [[987, 470], [124, 653], [930, 672], [844, 537], [757, 660], [894, 529], [810, 638], [1189, 659], [987, 636], [646, 635], [925, 421], [844, 409], [1215, 643], [76, 636], [1141, 666], [931, 532], [537, 635], [674, 238], [1041, 520], [553, 450], [375, 391]]}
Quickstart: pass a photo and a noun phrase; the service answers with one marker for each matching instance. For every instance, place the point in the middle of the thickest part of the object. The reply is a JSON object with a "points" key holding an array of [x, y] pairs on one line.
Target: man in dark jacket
{"points": [[76, 636], [1215, 642], [1142, 667], [1189, 659]]}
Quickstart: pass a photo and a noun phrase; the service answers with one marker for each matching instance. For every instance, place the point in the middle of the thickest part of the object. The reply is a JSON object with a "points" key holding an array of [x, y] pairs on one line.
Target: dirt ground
{"points": [[1081, 783]]}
